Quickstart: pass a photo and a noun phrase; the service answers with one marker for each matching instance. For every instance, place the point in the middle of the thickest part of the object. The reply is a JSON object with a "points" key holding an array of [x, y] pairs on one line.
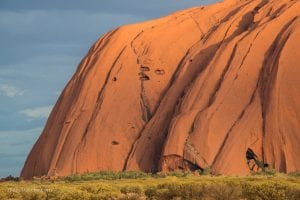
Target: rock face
{"points": [[192, 90]]}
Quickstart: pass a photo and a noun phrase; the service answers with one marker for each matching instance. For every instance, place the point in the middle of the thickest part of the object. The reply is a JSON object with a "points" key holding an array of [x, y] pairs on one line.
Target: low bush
{"points": [[267, 172], [294, 174], [293, 193], [267, 191], [10, 178], [206, 171], [176, 190], [105, 175], [224, 191], [131, 196], [133, 189], [32, 194]]}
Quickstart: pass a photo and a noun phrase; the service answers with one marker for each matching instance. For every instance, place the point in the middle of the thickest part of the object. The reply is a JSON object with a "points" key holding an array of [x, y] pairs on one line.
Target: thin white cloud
{"points": [[57, 93], [36, 113], [14, 147], [10, 91], [19, 134]]}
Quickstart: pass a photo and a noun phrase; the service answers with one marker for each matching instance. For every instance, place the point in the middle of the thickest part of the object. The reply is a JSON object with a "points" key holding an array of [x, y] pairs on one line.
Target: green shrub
{"points": [[158, 193], [178, 173], [33, 194], [162, 194], [10, 193], [130, 196], [10, 178], [176, 190], [75, 195], [135, 189], [294, 174], [265, 191], [293, 193], [192, 191], [106, 175], [159, 175], [266, 172], [150, 192], [206, 171], [96, 188], [224, 191]]}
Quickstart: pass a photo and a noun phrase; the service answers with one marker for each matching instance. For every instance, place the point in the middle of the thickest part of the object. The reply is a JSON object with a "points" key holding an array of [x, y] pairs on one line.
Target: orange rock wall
{"points": [[199, 86]]}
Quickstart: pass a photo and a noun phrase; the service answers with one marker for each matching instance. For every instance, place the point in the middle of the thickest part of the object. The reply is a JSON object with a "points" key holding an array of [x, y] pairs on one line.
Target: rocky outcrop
{"points": [[192, 90]]}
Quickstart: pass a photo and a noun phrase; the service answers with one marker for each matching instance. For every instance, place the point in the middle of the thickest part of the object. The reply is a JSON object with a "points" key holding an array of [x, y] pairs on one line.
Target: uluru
{"points": [[200, 88]]}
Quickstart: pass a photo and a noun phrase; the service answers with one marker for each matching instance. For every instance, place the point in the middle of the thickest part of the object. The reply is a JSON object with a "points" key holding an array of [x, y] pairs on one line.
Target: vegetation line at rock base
{"points": [[138, 185]]}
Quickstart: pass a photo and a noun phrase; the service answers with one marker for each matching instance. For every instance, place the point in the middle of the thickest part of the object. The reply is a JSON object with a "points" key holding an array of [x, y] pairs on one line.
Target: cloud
{"points": [[10, 91], [14, 147], [142, 8], [32, 34], [18, 134], [57, 93], [36, 113]]}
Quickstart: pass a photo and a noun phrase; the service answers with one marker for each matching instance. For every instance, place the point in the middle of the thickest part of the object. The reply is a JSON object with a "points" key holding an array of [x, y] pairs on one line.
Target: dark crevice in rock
{"points": [[175, 162], [159, 71], [253, 161], [115, 142], [145, 107]]}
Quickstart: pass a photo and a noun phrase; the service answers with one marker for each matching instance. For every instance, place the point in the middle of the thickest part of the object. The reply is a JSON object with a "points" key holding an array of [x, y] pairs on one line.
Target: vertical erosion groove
{"points": [[82, 70], [269, 73], [97, 108]]}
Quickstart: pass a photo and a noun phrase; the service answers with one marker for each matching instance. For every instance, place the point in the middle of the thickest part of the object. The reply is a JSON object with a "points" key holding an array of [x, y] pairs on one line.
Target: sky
{"points": [[41, 44]]}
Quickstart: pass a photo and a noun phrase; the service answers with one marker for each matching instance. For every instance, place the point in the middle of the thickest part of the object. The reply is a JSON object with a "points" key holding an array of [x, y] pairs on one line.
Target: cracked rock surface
{"points": [[228, 80]]}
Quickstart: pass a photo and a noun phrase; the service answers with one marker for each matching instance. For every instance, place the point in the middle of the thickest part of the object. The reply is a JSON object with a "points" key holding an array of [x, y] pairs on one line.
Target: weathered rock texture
{"points": [[193, 89]]}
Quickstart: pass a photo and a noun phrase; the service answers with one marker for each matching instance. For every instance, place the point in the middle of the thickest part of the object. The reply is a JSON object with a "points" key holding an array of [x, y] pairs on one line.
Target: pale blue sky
{"points": [[42, 41]]}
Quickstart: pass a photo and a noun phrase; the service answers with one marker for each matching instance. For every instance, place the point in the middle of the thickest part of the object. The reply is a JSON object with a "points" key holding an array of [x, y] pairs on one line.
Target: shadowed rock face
{"points": [[195, 89]]}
